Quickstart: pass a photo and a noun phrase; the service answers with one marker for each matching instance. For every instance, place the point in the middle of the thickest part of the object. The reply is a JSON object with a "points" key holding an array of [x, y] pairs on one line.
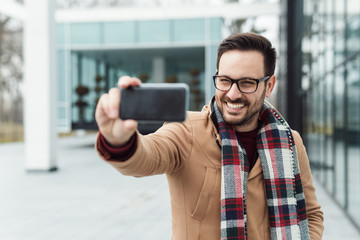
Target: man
{"points": [[235, 169]]}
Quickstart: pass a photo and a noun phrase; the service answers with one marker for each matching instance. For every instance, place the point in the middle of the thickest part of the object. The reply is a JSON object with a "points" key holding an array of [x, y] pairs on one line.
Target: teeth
{"points": [[235, 106]]}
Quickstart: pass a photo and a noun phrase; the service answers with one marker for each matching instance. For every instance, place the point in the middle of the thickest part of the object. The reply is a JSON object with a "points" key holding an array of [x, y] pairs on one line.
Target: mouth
{"points": [[235, 106]]}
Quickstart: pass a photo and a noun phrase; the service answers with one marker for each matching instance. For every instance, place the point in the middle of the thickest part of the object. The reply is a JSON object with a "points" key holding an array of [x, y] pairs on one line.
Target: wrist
{"points": [[114, 142], [109, 152]]}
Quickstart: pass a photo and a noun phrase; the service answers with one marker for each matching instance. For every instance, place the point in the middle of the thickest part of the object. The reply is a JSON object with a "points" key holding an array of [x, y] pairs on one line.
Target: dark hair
{"points": [[249, 42]]}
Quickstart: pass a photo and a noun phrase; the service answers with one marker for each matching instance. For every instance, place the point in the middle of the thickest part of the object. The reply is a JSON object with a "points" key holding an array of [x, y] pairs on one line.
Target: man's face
{"points": [[241, 110]]}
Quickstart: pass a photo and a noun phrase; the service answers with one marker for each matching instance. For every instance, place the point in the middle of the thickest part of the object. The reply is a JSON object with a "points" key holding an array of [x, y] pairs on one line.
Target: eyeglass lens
{"points": [[244, 85]]}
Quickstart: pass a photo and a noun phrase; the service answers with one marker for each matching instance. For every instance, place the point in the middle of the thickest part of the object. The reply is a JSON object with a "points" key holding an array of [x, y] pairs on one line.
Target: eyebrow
{"points": [[236, 78]]}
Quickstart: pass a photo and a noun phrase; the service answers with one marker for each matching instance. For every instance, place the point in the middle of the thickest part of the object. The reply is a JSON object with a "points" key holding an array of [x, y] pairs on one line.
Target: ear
{"points": [[270, 84]]}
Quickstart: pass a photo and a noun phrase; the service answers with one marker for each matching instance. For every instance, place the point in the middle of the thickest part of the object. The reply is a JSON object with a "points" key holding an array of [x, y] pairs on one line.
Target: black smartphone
{"points": [[155, 102]]}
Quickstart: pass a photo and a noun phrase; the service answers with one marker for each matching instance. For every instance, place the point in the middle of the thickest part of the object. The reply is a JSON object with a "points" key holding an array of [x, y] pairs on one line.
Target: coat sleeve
{"points": [[313, 208], [161, 152]]}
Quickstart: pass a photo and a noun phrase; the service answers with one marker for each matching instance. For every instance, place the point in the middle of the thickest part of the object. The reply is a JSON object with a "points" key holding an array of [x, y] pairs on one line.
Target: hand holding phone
{"points": [[116, 131], [155, 102]]}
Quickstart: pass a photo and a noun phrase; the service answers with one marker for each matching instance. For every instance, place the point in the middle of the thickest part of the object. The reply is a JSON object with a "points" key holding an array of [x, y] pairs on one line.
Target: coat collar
{"points": [[211, 113]]}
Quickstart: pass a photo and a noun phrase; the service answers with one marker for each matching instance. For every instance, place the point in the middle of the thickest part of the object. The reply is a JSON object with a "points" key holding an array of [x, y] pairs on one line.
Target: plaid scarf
{"points": [[284, 193]]}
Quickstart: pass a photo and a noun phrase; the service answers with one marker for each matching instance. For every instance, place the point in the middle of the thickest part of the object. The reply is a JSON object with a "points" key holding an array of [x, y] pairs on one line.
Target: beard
{"points": [[251, 113]]}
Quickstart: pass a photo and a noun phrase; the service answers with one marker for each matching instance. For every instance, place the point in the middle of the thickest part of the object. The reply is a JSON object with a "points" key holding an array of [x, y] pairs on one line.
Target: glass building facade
{"points": [[328, 91], [93, 55], [331, 81]]}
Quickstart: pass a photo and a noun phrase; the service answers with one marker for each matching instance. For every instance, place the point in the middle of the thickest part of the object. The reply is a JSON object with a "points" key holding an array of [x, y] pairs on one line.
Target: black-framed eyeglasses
{"points": [[245, 85]]}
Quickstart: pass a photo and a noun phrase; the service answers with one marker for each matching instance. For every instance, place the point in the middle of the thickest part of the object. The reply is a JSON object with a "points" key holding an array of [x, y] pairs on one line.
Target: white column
{"points": [[40, 85], [158, 69]]}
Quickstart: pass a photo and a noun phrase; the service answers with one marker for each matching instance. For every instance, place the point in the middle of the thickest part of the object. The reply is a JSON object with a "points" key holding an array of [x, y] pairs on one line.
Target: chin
{"points": [[233, 120]]}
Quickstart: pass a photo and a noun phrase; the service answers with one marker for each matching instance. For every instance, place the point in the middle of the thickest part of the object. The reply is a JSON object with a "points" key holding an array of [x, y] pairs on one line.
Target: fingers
{"points": [[108, 104], [116, 131], [126, 81], [113, 103], [130, 124]]}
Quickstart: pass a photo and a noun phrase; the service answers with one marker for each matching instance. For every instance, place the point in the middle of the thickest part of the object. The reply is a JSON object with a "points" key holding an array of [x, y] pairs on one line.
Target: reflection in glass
{"points": [[339, 137], [353, 137], [353, 26], [331, 59], [329, 134], [339, 31], [321, 130]]}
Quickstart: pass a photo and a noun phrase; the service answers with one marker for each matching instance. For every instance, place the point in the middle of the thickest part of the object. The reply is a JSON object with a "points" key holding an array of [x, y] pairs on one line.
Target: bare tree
{"points": [[11, 68]]}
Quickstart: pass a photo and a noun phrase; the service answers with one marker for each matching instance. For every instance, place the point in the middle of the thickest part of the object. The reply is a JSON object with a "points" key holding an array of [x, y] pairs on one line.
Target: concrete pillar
{"points": [[158, 69], [40, 85]]}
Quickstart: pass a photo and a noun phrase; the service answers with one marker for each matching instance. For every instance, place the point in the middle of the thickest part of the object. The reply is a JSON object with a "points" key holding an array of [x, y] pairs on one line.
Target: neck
{"points": [[247, 127]]}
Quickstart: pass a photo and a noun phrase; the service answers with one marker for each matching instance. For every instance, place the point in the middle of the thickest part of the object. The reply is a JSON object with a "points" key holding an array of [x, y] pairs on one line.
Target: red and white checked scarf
{"points": [[284, 192]]}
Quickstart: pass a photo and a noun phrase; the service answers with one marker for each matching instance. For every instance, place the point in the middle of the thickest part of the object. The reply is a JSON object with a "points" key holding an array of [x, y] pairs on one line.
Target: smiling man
{"points": [[241, 103], [236, 170]]}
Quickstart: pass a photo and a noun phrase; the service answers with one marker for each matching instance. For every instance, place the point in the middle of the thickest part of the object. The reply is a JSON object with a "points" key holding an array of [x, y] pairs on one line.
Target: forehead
{"points": [[238, 63]]}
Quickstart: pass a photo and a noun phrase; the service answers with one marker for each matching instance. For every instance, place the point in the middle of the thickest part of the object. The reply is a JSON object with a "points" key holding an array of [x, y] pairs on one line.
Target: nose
{"points": [[234, 92]]}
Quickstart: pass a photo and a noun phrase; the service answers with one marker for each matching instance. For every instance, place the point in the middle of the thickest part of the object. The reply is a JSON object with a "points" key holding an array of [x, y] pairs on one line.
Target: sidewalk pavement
{"points": [[86, 199]]}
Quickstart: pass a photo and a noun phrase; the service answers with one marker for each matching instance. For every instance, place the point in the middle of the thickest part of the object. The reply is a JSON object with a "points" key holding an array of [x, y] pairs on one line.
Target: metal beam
{"points": [[294, 63]]}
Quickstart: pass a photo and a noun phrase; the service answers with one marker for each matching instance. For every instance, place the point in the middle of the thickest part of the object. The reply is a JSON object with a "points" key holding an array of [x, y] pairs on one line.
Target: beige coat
{"points": [[189, 155]]}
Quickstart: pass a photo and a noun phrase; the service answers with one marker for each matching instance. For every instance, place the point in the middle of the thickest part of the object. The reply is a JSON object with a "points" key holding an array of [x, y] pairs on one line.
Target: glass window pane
{"points": [[353, 26], [119, 32], [329, 35], [329, 134], [216, 29], [190, 72], [339, 137], [75, 68], [61, 75], [189, 30], [339, 31], [86, 33], [353, 137], [321, 130], [314, 140], [321, 43], [88, 80], [154, 31], [60, 33]]}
